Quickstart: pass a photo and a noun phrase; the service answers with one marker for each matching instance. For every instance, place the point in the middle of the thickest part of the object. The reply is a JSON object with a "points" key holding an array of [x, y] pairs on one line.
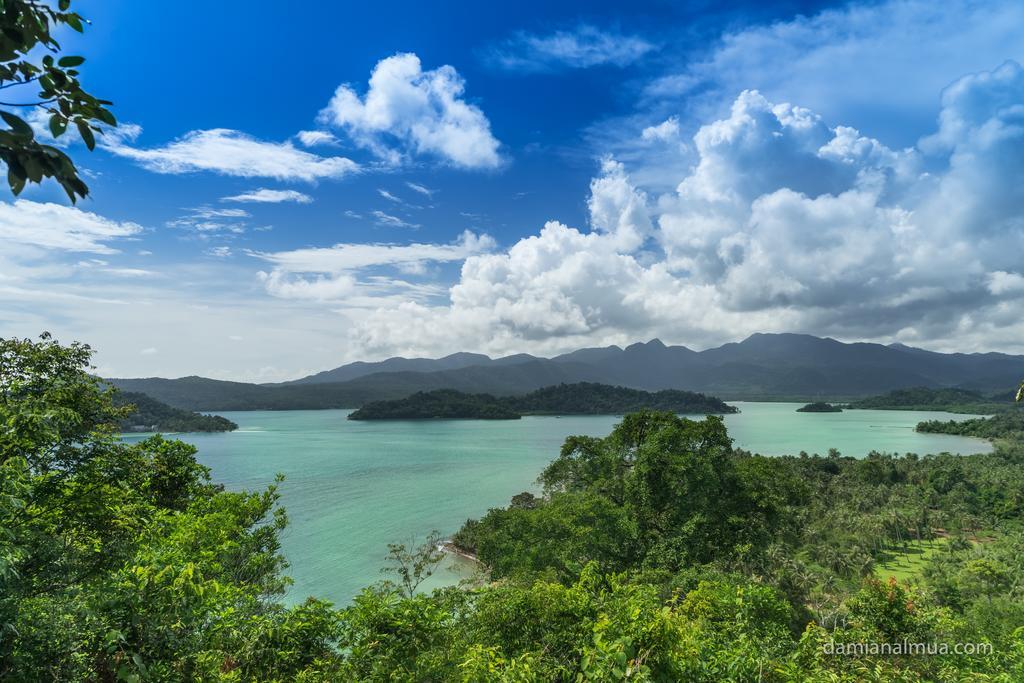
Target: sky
{"points": [[295, 187]]}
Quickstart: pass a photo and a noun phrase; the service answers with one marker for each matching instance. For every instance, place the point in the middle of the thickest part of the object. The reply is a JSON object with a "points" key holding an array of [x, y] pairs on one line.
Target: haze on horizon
{"points": [[540, 181]]}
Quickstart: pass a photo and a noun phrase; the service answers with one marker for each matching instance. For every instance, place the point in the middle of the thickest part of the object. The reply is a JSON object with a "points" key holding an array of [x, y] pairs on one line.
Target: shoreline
{"points": [[449, 547]]}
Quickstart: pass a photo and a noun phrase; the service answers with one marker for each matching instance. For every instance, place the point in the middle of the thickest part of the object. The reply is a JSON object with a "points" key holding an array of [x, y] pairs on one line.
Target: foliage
{"points": [[49, 84], [123, 562], [1001, 425], [414, 565], [923, 398], [149, 415], [657, 553]]}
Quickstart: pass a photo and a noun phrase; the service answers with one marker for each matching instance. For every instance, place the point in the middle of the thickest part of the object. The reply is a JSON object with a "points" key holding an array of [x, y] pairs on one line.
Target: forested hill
{"points": [[441, 404], [151, 415], [583, 398], [590, 398], [923, 398], [1001, 426]]}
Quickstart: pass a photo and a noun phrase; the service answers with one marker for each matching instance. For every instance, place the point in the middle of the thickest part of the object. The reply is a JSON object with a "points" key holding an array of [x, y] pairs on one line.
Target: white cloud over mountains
{"points": [[408, 111], [784, 223]]}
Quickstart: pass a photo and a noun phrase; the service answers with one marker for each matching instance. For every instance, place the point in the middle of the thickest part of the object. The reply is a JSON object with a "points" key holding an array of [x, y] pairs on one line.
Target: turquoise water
{"points": [[351, 487]]}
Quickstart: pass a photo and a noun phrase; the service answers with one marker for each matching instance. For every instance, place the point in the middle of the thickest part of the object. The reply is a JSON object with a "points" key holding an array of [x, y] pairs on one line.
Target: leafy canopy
{"points": [[48, 85]]}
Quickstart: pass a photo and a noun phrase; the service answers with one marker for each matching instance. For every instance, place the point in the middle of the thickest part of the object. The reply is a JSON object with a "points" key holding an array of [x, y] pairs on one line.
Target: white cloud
{"points": [[218, 252], [1001, 282], [667, 130], [388, 196], [129, 272], [266, 196], [617, 208], [331, 274], [233, 153], [585, 46], [210, 212], [346, 257], [53, 226], [321, 288], [784, 223], [409, 111], [423, 190], [206, 219], [392, 221], [312, 138], [880, 65]]}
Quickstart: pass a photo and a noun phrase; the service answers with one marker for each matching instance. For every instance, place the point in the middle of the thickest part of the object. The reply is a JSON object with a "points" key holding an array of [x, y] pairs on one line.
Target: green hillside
{"points": [[582, 398], [150, 415]]}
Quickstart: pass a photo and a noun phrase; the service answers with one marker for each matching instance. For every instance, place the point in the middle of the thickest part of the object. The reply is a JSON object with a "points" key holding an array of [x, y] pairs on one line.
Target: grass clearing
{"points": [[907, 563]]}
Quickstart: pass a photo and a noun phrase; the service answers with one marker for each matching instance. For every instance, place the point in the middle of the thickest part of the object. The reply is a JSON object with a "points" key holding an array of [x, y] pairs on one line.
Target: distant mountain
{"points": [[763, 366], [398, 364]]}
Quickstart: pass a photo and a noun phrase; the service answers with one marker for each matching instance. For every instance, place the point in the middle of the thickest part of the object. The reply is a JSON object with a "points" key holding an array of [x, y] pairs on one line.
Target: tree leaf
{"points": [[86, 132], [18, 126], [70, 61], [58, 124]]}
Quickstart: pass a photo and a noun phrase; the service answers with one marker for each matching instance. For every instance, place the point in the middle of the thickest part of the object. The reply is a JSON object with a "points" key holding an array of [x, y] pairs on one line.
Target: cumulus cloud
{"points": [[407, 112], [321, 288], [665, 131], [53, 226], [233, 153], [583, 47], [618, 209], [879, 63], [1001, 282], [265, 196], [784, 223]]}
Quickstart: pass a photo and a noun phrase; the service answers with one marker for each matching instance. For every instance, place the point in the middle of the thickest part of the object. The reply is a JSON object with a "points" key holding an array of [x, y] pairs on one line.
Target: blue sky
{"points": [[294, 189]]}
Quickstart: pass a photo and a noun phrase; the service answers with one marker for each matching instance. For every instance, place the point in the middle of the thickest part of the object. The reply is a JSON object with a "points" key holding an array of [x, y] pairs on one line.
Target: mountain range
{"points": [[763, 366]]}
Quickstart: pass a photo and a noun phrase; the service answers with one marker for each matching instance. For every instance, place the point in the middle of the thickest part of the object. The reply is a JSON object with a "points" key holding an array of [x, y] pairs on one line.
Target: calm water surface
{"points": [[351, 486]]}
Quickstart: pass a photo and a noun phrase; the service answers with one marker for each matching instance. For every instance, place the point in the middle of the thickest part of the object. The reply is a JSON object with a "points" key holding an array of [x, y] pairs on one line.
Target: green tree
{"points": [[122, 561], [48, 84], [414, 564]]}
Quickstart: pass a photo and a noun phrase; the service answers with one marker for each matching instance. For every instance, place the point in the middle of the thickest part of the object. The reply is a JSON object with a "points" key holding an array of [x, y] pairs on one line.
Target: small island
{"points": [[1001, 426], [950, 400], [151, 415], [441, 404], [819, 407], [582, 398]]}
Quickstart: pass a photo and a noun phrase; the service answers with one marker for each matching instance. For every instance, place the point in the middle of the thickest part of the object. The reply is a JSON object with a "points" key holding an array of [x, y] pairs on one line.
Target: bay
{"points": [[351, 487]]}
